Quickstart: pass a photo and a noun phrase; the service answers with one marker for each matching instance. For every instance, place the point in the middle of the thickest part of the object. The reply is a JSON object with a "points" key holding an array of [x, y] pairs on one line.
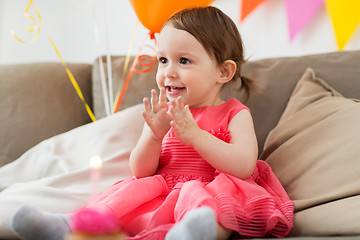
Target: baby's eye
{"points": [[184, 61], [162, 60]]}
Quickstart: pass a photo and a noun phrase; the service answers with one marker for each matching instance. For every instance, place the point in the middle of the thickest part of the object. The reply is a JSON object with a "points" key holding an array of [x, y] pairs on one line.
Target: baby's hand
{"points": [[183, 123], [155, 115]]}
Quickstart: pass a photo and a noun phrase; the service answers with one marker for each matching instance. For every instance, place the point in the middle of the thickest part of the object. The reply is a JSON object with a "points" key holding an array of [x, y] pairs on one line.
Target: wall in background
{"points": [[71, 26]]}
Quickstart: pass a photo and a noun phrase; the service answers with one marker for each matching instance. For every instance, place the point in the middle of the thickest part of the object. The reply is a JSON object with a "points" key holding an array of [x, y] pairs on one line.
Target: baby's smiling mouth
{"points": [[174, 89]]}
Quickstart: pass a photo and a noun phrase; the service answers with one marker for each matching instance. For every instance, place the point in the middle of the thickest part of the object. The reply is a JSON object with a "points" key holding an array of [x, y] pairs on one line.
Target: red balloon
{"points": [[154, 13]]}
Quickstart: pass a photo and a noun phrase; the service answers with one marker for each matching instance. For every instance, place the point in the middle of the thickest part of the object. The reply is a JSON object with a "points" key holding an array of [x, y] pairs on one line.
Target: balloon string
{"points": [[133, 69], [151, 64], [126, 65], [101, 63], [34, 26], [104, 87], [142, 58], [108, 57]]}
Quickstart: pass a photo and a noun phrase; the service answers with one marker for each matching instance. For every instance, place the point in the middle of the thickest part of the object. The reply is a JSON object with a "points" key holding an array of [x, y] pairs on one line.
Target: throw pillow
{"points": [[314, 150]]}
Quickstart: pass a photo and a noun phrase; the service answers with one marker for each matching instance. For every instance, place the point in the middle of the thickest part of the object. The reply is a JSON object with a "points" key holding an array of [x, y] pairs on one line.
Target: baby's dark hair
{"points": [[218, 34]]}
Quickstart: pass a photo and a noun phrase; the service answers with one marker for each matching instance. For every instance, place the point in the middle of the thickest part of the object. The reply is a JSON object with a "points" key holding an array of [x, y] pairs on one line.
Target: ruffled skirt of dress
{"points": [[147, 208]]}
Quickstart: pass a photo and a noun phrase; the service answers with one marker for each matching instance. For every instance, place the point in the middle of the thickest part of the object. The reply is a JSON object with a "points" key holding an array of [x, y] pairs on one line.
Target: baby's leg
{"points": [[198, 224], [30, 224], [223, 233]]}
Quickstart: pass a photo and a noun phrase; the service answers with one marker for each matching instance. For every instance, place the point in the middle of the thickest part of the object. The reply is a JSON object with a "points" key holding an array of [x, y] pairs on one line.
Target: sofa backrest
{"points": [[38, 101], [276, 77]]}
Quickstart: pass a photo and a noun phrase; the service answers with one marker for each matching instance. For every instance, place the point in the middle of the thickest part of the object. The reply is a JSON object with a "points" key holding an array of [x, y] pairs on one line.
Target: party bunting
{"points": [[345, 17], [300, 13], [247, 6]]}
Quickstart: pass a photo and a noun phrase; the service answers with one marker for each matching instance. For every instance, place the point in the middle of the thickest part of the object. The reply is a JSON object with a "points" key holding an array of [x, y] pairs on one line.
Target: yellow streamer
{"points": [[34, 27]]}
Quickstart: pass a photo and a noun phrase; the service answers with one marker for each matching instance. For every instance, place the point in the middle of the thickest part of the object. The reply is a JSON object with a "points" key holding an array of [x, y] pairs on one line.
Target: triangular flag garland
{"points": [[344, 14], [247, 6], [345, 17], [300, 13]]}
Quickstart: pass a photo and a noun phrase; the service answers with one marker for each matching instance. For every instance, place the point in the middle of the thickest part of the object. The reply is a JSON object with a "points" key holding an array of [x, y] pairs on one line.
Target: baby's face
{"points": [[186, 69]]}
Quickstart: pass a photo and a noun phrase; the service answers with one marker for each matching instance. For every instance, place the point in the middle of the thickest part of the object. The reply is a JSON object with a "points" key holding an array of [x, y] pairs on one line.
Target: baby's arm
{"points": [[144, 158], [237, 158]]}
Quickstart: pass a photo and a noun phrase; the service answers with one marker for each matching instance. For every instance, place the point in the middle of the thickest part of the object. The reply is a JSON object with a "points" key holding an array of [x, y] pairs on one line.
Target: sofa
{"points": [[306, 119]]}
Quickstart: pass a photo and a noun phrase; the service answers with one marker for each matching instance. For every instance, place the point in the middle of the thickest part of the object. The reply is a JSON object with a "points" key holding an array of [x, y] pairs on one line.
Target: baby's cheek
{"points": [[160, 79]]}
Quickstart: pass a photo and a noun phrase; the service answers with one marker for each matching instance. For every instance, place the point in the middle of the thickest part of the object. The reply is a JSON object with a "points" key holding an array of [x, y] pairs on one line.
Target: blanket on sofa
{"points": [[55, 174]]}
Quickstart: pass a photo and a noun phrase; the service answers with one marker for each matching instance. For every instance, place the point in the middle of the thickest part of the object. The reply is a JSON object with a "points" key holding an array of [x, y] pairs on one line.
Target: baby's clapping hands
{"points": [[155, 115], [178, 116], [184, 125]]}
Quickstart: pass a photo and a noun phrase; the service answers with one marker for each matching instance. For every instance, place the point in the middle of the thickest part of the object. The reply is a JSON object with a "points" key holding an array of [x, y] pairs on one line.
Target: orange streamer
{"points": [[142, 62], [139, 60]]}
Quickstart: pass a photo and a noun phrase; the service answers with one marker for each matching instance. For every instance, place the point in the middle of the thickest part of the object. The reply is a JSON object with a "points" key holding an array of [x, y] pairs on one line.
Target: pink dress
{"points": [[148, 207]]}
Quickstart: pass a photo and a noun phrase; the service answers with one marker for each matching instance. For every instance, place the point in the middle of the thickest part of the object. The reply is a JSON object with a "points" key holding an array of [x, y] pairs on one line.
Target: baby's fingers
{"points": [[188, 112], [147, 107], [174, 126], [173, 110], [147, 112], [154, 101], [162, 98], [180, 103]]}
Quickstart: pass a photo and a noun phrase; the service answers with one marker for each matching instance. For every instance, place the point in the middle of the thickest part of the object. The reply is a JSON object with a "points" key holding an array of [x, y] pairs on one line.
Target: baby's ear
{"points": [[228, 70]]}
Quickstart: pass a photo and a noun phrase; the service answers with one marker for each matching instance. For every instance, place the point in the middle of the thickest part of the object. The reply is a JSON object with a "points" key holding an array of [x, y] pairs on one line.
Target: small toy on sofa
{"points": [[94, 225]]}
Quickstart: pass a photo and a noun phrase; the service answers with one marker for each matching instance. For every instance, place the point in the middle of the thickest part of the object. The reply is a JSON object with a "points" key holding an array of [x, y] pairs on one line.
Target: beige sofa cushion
{"points": [[37, 101], [277, 77], [314, 150]]}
